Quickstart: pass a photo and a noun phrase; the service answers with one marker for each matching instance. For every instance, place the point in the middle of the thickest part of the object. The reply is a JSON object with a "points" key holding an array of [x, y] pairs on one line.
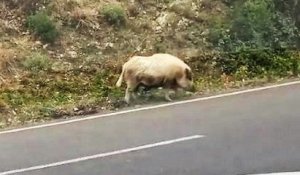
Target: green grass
{"points": [[37, 62]]}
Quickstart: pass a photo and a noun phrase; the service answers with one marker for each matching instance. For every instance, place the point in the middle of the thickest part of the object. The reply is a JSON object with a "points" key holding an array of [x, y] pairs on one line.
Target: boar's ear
{"points": [[188, 74]]}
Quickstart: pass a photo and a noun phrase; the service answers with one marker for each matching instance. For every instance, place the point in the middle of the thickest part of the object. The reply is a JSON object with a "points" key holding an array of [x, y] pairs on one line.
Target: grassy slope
{"points": [[86, 59]]}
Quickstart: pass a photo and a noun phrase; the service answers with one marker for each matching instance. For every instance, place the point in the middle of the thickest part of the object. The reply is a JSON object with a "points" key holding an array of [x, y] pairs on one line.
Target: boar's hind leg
{"points": [[131, 87], [167, 95], [170, 85]]}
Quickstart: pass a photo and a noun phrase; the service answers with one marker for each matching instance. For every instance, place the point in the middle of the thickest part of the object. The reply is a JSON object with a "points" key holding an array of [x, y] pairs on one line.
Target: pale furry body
{"points": [[163, 70]]}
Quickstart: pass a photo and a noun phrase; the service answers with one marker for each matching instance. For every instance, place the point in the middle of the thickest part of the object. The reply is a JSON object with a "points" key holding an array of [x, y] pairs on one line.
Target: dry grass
{"points": [[10, 58], [63, 6], [7, 60], [3, 14], [2, 8], [133, 10], [85, 16], [7, 64], [9, 21], [81, 13], [3, 106]]}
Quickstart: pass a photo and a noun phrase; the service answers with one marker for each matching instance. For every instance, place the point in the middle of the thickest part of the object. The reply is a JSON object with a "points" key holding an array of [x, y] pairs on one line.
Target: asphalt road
{"points": [[256, 132]]}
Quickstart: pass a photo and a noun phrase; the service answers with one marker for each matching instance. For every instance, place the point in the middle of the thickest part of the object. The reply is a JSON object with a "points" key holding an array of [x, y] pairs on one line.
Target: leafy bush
{"points": [[255, 24], [253, 21], [251, 63], [257, 41], [247, 64], [114, 15], [37, 62], [42, 26]]}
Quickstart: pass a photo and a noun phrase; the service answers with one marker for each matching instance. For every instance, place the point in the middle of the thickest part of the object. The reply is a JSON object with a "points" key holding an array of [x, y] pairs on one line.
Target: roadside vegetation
{"points": [[62, 58]]}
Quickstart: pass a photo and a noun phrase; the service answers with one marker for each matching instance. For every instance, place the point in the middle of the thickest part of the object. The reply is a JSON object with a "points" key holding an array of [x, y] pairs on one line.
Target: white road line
{"points": [[102, 155], [151, 107], [286, 173]]}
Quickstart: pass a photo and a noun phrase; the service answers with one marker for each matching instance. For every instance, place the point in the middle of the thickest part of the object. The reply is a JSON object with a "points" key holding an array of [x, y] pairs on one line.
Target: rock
{"points": [[181, 6], [61, 67], [162, 19], [61, 56], [167, 19], [73, 54], [45, 46], [158, 29], [192, 53], [183, 23], [38, 43], [189, 93], [109, 45], [186, 8]]}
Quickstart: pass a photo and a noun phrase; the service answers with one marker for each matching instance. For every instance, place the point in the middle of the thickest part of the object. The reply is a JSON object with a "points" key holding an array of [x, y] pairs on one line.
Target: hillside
{"points": [[62, 58]]}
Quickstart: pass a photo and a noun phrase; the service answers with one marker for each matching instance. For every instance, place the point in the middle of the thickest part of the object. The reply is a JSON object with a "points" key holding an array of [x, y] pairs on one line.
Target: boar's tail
{"points": [[120, 80]]}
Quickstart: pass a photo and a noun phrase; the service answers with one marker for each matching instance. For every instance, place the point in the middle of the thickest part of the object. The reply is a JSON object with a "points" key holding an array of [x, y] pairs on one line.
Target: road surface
{"points": [[246, 133]]}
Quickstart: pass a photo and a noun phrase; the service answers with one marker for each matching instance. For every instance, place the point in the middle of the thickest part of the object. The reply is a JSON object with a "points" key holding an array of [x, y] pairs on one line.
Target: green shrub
{"points": [[258, 41], [14, 98], [253, 21], [37, 62], [252, 63], [42, 26], [255, 24], [114, 15]]}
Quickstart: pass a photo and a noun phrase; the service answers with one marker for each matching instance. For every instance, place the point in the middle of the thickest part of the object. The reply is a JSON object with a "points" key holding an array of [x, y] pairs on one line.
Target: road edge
{"points": [[69, 121]]}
